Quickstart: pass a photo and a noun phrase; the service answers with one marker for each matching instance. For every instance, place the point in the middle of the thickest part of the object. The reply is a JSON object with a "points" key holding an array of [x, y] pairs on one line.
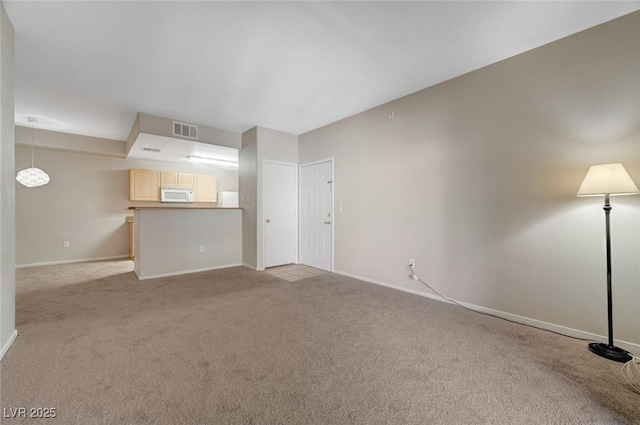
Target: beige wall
{"points": [[161, 126], [248, 182], [7, 186], [259, 144], [56, 140], [168, 241], [476, 179], [85, 203], [273, 146]]}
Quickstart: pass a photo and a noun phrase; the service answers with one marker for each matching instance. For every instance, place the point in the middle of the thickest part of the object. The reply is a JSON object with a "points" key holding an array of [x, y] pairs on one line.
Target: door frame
{"points": [[261, 214], [333, 215]]}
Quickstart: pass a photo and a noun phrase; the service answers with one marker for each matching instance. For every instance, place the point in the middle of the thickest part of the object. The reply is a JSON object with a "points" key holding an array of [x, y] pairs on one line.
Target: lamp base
{"points": [[610, 352]]}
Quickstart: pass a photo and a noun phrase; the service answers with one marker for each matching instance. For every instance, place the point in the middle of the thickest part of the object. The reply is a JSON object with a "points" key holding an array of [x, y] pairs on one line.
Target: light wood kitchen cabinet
{"points": [[173, 179], [185, 180], [206, 188], [168, 178], [144, 185]]}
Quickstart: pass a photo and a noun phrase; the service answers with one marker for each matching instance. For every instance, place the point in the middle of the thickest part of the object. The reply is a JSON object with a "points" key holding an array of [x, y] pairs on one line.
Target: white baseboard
{"points": [[81, 260], [8, 344], [155, 276], [248, 266], [576, 333]]}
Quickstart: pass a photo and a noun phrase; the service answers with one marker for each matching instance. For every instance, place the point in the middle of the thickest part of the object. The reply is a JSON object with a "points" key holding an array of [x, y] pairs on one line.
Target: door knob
{"points": [[268, 221], [327, 222]]}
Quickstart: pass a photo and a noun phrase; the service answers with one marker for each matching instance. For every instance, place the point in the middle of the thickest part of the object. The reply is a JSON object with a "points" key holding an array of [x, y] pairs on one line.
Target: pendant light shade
{"points": [[32, 177]]}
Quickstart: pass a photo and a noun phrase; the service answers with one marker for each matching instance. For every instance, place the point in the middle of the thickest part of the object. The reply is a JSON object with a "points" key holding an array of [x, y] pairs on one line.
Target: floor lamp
{"points": [[608, 180]]}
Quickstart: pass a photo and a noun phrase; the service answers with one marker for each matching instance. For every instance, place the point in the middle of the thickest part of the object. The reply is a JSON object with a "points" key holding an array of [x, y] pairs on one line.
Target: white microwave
{"points": [[176, 194]]}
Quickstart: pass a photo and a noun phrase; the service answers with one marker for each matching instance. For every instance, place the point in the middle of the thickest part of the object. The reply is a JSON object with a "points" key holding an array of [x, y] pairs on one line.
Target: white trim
{"points": [[273, 161], [8, 345], [333, 208], [155, 276], [83, 260], [319, 161], [248, 266], [576, 333]]}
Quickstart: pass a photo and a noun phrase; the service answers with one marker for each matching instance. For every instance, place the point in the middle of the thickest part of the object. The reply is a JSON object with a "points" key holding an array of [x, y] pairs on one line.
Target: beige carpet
{"points": [[236, 346]]}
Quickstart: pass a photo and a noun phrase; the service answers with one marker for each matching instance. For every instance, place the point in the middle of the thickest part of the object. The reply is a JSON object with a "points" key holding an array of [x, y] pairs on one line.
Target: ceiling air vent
{"points": [[185, 130], [154, 150]]}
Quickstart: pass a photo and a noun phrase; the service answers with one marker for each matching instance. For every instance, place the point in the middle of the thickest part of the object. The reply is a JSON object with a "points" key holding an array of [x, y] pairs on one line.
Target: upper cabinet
{"points": [[144, 185], [206, 188], [186, 180], [169, 178]]}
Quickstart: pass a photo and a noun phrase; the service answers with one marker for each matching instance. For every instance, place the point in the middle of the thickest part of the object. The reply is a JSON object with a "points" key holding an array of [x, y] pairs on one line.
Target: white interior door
{"points": [[280, 213], [316, 215]]}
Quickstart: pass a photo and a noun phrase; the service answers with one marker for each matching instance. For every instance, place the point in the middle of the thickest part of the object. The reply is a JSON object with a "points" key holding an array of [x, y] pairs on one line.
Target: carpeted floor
{"points": [[235, 346]]}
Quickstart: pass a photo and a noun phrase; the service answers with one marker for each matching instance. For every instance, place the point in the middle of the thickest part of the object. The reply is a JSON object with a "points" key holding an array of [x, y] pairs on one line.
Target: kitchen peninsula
{"points": [[177, 240]]}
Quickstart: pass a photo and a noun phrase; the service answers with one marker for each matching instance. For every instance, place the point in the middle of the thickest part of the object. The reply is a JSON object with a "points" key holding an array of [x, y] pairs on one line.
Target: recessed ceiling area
{"points": [[89, 67], [161, 148]]}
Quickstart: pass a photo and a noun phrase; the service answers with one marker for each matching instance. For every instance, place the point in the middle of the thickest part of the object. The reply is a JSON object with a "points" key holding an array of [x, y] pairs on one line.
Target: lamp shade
{"points": [[32, 177], [607, 179]]}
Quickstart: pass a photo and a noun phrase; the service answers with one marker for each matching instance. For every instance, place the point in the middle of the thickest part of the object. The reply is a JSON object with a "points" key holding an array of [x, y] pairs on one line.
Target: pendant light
{"points": [[32, 177]]}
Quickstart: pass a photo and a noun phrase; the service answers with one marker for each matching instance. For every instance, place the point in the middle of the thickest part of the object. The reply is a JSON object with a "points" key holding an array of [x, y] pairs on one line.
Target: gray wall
{"points": [[259, 144], [248, 182], [161, 126], [476, 179], [7, 186], [168, 241], [85, 203], [274, 146]]}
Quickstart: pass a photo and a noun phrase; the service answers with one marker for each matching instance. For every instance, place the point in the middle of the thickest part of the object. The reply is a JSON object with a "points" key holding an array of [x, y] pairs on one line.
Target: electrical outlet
{"points": [[412, 262], [201, 248], [65, 244]]}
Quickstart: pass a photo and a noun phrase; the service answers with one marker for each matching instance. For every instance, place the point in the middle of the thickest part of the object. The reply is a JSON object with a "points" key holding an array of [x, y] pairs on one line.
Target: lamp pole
{"points": [[607, 211], [607, 180], [609, 351]]}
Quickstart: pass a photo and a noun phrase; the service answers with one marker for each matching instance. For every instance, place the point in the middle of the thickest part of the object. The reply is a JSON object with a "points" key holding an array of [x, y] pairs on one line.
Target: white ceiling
{"points": [[89, 67]]}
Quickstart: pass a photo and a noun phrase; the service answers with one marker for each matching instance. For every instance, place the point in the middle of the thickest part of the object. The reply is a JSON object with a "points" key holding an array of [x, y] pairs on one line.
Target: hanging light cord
{"points": [[32, 154]]}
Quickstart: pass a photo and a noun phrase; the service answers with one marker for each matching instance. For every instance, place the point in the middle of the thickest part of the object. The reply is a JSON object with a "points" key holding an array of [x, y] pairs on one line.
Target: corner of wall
{"points": [[247, 185], [7, 185], [135, 130], [250, 137]]}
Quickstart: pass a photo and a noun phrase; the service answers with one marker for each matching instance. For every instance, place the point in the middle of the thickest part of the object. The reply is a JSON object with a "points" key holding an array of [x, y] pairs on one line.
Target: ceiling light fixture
{"points": [[32, 177], [212, 161]]}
